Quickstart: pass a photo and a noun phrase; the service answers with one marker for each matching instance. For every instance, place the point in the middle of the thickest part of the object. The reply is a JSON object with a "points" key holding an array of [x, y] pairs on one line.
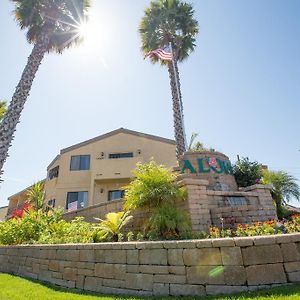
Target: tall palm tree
{"points": [[284, 187], [52, 26], [164, 22]]}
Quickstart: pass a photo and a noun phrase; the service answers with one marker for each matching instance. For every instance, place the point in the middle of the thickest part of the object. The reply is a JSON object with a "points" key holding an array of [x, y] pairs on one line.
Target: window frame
{"points": [[110, 193], [80, 163], [78, 206], [120, 155]]}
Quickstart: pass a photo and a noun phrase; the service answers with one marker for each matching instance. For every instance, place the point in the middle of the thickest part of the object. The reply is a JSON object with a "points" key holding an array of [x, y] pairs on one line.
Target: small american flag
{"points": [[212, 162], [161, 53], [72, 206]]}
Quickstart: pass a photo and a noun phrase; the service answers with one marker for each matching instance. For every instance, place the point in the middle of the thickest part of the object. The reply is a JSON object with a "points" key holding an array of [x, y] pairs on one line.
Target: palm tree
{"points": [[52, 26], [36, 195], [165, 22], [284, 187], [2, 109]]}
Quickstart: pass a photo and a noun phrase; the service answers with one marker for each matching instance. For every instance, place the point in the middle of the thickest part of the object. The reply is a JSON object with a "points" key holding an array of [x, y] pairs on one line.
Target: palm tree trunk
{"points": [[13, 114], [177, 111]]}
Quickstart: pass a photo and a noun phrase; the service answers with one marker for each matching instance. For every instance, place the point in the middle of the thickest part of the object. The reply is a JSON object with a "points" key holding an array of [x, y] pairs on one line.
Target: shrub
{"points": [[156, 190], [110, 228], [247, 173]]}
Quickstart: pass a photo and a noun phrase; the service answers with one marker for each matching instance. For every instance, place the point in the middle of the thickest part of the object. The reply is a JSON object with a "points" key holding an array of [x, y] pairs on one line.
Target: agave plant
{"points": [[111, 227]]}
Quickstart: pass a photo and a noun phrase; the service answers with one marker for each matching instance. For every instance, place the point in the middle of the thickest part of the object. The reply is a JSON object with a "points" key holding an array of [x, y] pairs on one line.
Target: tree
{"points": [[284, 187], [247, 173], [52, 26], [164, 22], [2, 109], [36, 195]]}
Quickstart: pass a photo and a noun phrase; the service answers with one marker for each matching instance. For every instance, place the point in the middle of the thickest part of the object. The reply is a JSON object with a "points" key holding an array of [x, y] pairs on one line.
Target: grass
{"points": [[15, 288]]}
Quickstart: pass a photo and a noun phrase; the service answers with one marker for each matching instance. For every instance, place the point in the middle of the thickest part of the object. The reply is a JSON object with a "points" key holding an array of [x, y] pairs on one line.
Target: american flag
{"points": [[161, 53], [212, 162], [72, 206]]}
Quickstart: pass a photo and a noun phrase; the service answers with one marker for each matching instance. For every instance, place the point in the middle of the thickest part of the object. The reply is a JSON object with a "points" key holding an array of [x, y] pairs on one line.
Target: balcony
{"points": [[110, 169]]}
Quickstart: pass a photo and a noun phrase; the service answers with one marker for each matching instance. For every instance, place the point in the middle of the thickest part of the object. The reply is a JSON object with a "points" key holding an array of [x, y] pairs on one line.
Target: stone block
{"points": [[231, 256], [175, 257], [71, 255], [139, 281], [223, 242], [265, 274], [187, 290], [150, 269], [132, 257], [292, 266], [87, 255], [205, 275], [204, 243], [54, 265], [99, 255], [235, 275], [132, 268], [243, 241], [85, 272], [290, 252], [177, 270], [110, 271], [70, 274], [79, 283], [153, 257], [115, 283], [93, 284], [115, 256], [264, 240], [169, 278], [202, 257], [294, 276], [262, 255], [161, 289], [221, 289]]}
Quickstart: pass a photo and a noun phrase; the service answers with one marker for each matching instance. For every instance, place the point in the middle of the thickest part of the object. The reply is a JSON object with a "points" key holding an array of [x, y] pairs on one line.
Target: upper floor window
{"points": [[76, 200], [80, 162], [120, 155], [50, 205], [115, 195], [53, 173]]}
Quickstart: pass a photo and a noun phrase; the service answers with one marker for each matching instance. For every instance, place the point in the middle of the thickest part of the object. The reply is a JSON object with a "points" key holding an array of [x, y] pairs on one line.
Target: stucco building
{"points": [[95, 171]]}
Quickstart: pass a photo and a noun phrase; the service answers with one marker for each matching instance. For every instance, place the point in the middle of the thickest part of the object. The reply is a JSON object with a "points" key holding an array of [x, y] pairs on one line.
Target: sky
{"points": [[241, 86]]}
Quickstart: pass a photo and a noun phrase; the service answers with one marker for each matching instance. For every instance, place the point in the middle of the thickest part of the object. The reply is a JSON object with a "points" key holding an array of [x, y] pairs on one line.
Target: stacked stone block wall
{"points": [[195, 267]]}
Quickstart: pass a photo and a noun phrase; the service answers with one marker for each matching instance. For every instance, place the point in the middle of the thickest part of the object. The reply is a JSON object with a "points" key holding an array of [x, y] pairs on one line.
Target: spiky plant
{"points": [[36, 195], [164, 22], [52, 26]]}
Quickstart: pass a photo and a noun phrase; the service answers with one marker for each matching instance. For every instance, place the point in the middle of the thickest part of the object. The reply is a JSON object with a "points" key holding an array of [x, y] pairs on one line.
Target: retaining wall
{"points": [[195, 267]]}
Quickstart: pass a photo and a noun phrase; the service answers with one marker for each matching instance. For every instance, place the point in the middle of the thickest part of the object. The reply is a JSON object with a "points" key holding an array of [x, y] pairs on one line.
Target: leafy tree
{"points": [[2, 109], [111, 227], [164, 22], [36, 195], [52, 26], [155, 189], [247, 173], [284, 187]]}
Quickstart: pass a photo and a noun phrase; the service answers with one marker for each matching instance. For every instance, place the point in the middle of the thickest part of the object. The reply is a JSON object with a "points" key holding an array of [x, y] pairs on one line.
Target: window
{"points": [[50, 204], [80, 162], [121, 155], [77, 199], [115, 195], [53, 173]]}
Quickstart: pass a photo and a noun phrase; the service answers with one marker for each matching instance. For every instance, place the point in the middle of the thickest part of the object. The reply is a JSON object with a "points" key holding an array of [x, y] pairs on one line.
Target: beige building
{"points": [[3, 212], [95, 171]]}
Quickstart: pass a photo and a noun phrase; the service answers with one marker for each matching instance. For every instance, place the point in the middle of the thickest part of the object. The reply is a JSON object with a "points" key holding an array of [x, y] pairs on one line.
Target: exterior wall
{"points": [[105, 173], [3, 212], [175, 268], [207, 207], [16, 201]]}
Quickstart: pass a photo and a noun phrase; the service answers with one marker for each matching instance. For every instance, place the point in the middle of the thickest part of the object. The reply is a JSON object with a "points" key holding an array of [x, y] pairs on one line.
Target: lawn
{"points": [[15, 288]]}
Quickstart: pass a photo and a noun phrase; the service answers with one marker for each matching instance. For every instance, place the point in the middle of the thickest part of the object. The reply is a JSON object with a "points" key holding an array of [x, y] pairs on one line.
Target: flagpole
{"points": [[178, 93]]}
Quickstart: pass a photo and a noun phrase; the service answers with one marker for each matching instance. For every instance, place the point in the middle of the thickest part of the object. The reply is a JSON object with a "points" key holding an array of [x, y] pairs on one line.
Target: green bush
{"points": [[155, 189], [247, 173]]}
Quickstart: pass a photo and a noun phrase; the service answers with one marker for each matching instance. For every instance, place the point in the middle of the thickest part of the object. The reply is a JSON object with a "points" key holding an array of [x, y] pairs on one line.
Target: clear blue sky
{"points": [[241, 87]]}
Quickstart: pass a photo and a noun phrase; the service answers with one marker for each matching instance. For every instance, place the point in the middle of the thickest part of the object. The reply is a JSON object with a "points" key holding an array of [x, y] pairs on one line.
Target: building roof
{"points": [[109, 134], [117, 131]]}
